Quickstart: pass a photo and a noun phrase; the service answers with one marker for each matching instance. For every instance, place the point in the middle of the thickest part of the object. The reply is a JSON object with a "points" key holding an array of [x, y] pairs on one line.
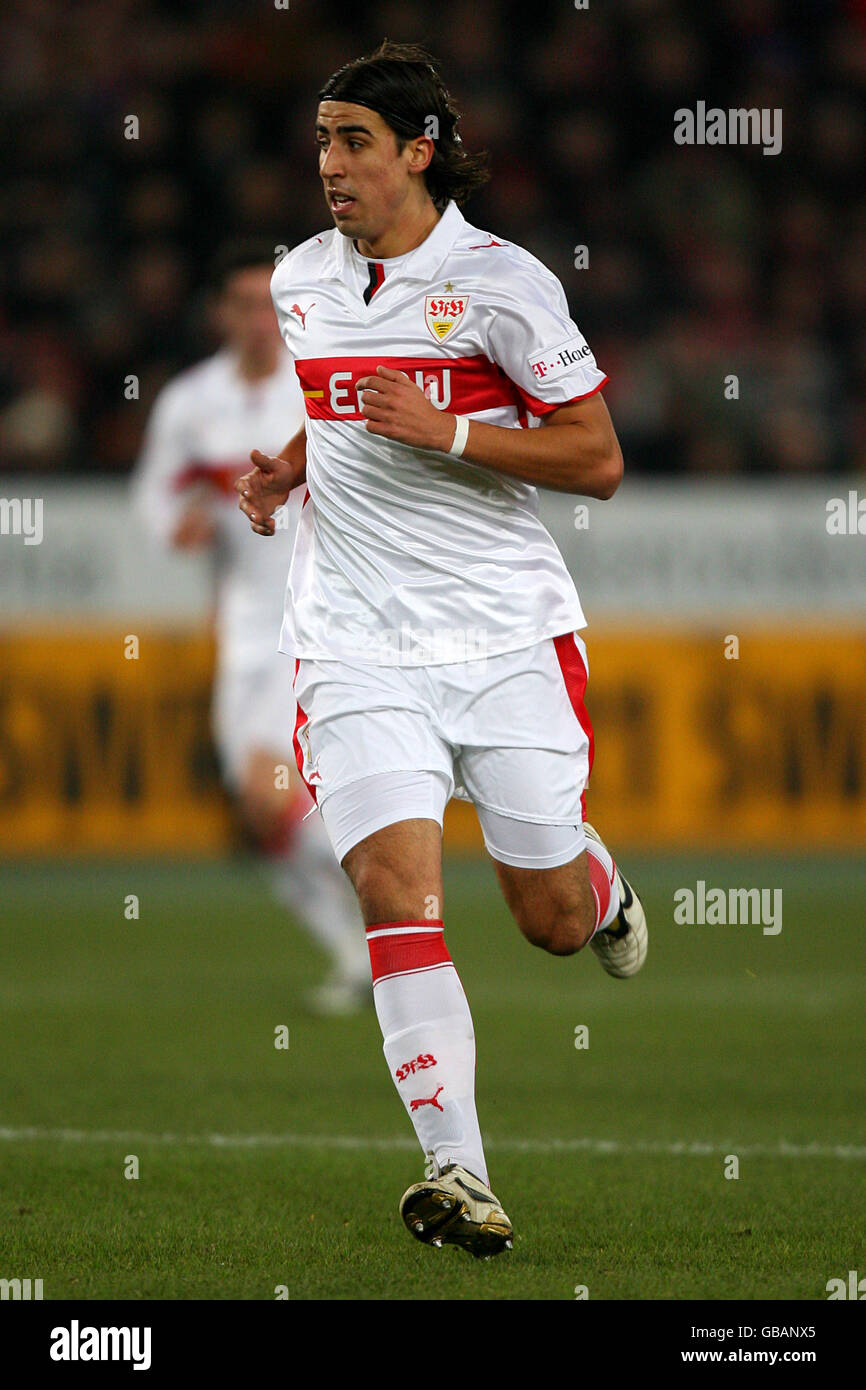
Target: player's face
{"points": [[247, 313], [367, 182]]}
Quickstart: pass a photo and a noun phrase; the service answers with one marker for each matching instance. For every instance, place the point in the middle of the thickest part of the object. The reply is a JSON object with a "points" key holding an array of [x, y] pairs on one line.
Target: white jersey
{"points": [[197, 442], [405, 555]]}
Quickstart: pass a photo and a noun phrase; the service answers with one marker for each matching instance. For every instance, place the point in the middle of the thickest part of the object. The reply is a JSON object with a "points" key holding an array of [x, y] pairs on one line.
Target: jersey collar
{"points": [[420, 264]]}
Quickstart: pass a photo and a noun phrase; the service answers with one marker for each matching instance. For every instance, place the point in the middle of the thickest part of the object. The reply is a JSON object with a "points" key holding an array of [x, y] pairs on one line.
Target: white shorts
{"points": [[509, 733], [253, 709]]}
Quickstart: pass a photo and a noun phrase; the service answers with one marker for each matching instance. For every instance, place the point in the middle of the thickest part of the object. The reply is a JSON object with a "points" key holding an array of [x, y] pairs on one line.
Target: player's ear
{"points": [[421, 154]]}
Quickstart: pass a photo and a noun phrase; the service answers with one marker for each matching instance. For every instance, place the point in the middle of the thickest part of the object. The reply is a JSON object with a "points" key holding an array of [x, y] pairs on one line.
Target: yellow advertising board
{"points": [[105, 748]]}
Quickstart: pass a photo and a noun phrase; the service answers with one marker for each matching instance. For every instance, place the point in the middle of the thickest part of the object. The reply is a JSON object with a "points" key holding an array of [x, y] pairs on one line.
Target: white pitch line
{"points": [[782, 1149]]}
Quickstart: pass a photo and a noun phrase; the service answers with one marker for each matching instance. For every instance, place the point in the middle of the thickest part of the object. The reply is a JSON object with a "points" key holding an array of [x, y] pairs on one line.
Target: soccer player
{"points": [[194, 449], [433, 621]]}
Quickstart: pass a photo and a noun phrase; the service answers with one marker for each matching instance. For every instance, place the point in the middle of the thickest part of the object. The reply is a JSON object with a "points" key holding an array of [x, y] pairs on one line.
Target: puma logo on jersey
{"points": [[484, 245], [302, 313], [430, 1100]]}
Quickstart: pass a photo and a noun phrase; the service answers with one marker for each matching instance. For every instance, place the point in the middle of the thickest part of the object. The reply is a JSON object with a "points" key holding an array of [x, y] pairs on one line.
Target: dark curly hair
{"points": [[400, 82]]}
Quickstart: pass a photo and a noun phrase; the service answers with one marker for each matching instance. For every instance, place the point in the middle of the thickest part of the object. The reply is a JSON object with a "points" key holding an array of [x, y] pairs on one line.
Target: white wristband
{"points": [[461, 434]]}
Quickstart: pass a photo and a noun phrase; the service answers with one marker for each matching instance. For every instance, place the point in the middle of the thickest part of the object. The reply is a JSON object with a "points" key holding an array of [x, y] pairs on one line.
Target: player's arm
{"points": [[580, 454], [268, 485], [174, 516], [576, 450], [526, 328]]}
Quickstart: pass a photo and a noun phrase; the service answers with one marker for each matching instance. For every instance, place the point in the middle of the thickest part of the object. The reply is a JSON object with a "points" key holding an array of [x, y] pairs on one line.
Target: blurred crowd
{"points": [[704, 263]]}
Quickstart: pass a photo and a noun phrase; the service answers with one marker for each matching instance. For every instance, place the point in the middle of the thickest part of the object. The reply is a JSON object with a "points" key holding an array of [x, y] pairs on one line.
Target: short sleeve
{"points": [[277, 293], [284, 297], [533, 338]]}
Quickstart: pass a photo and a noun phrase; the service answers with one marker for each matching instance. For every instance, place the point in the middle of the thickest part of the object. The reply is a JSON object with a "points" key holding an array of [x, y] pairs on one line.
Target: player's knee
{"points": [[382, 888], [262, 807], [554, 908], [392, 883], [388, 896], [262, 815], [559, 930]]}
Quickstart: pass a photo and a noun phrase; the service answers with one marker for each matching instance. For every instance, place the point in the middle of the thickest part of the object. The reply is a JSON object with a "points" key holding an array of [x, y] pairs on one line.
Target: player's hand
{"points": [[196, 529], [398, 409], [265, 489]]}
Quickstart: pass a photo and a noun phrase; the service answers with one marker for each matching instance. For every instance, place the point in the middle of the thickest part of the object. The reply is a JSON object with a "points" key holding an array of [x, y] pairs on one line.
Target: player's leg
{"points": [[565, 907], [253, 721], [386, 830], [558, 878], [305, 877], [553, 907], [397, 870], [427, 1030], [272, 804]]}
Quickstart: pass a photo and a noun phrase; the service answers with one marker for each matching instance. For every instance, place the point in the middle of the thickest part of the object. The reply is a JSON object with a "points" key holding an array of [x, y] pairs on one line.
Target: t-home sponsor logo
{"points": [[76, 1343], [557, 362], [714, 907], [736, 126], [22, 516], [20, 1289]]}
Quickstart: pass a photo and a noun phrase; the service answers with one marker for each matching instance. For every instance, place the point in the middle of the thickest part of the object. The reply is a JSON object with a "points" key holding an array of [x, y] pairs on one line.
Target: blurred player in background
{"points": [[433, 619], [195, 447]]}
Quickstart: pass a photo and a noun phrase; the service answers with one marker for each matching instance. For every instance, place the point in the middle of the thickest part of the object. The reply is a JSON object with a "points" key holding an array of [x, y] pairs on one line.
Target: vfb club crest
{"points": [[441, 315]]}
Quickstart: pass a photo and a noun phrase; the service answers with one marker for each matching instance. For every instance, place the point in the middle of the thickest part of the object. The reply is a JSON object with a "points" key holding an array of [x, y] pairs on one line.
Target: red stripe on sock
{"points": [[601, 884], [394, 954]]}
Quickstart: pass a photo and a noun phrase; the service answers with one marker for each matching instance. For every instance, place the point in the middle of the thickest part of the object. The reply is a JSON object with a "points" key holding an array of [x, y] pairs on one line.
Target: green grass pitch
{"points": [[261, 1167]]}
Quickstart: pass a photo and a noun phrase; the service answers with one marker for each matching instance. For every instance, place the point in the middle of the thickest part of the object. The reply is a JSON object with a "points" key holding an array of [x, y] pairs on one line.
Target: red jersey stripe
{"points": [[219, 476], [539, 407], [465, 385]]}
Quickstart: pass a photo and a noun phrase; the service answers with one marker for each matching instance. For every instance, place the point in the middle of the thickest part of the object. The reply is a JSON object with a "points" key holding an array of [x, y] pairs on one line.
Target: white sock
{"points": [[429, 1042]]}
